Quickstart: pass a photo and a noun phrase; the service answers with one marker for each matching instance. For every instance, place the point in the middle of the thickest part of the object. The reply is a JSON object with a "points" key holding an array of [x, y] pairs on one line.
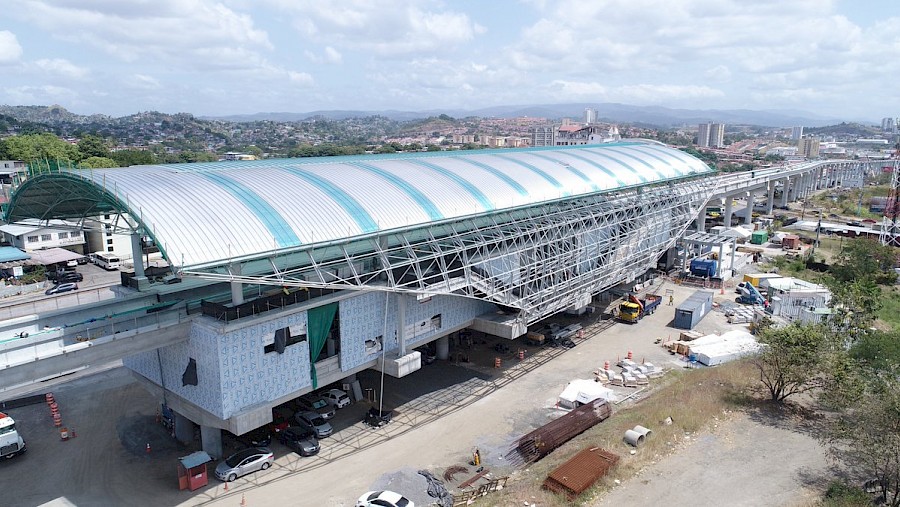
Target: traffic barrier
{"points": [[54, 407], [49, 398], [605, 365], [521, 354], [148, 447], [496, 362], [629, 356], [226, 485], [57, 420], [64, 433], [243, 501]]}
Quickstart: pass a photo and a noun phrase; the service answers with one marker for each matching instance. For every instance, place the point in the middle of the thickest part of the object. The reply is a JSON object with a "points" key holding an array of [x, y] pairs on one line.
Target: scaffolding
{"points": [[890, 229], [537, 260]]}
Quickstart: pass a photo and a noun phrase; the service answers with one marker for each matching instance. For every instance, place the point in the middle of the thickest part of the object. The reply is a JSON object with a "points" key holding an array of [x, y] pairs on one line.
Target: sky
{"points": [[833, 58]]}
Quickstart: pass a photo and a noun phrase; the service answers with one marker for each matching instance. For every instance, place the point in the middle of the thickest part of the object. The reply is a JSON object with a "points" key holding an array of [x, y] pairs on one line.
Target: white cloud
{"points": [[10, 50], [61, 67], [329, 55], [382, 27], [300, 78], [177, 32], [33, 95], [143, 81]]}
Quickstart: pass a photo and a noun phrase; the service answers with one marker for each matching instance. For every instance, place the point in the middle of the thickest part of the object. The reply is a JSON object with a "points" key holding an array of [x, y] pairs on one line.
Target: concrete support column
{"points": [[237, 288], [770, 197], [401, 323], [211, 440], [184, 429], [729, 203], [785, 185], [748, 213], [443, 347], [137, 255], [701, 221]]}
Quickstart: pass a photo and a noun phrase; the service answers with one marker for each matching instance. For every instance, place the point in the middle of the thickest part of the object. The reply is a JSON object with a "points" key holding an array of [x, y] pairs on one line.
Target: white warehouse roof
{"points": [[205, 213]]}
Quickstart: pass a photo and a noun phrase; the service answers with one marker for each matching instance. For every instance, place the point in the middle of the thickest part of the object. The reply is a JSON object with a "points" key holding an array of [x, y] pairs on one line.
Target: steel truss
{"points": [[539, 260], [890, 228]]}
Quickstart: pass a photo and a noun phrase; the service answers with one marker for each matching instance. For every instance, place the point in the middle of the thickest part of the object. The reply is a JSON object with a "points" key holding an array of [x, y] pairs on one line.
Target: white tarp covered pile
{"points": [[581, 391], [712, 349]]}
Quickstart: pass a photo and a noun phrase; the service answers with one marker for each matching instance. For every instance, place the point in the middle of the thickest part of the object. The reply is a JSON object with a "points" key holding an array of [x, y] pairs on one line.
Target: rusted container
{"points": [[544, 440], [581, 472]]}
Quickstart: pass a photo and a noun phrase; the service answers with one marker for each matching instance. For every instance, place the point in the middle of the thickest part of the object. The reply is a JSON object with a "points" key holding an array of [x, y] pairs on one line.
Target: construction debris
{"points": [[544, 440], [581, 472]]}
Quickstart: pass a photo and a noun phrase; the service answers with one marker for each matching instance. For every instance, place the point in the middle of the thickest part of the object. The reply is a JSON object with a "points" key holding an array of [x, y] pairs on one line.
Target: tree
{"points": [[33, 147], [865, 258], [92, 146], [97, 163], [792, 360], [865, 429], [125, 158]]}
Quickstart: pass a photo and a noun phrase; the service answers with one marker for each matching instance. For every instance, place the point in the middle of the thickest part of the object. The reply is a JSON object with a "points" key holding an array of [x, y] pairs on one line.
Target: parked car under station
{"points": [[244, 462]]}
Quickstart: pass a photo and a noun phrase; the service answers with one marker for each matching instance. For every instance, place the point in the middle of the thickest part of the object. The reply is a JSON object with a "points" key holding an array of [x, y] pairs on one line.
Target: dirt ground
{"points": [[442, 413]]}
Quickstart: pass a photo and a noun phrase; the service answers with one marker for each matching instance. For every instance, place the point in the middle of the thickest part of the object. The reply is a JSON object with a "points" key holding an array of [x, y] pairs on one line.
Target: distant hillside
{"points": [[621, 113]]}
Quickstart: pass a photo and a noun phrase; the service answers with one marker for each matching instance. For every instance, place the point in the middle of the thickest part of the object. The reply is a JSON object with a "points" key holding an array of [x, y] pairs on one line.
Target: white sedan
{"points": [[384, 499]]}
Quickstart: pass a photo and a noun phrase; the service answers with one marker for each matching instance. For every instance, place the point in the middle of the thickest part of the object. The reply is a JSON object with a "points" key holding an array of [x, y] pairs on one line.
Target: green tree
{"points": [[33, 147], [92, 146], [97, 163], [125, 158], [793, 359], [865, 258]]}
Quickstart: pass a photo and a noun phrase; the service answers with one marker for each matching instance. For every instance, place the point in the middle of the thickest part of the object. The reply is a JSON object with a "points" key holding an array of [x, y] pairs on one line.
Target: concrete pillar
{"points": [[701, 221], [729, 203], [443, 347], [184, 429], [748, 213], [770, 197], [401, 323], [237, 288], [785, 186], [211, 440], [137, 255]]}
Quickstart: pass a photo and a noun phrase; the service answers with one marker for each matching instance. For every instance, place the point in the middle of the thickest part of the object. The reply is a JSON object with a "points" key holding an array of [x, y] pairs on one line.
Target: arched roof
{"points": [[204, 213]]}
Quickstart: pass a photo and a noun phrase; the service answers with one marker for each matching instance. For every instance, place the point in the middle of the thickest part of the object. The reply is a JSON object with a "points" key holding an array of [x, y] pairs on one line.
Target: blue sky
{"points": [[835, 58]]}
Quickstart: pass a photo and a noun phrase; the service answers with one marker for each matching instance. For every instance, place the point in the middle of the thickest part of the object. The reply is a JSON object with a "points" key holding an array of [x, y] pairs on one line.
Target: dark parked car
{"points": [[300, 440], [316, 404], [71, 277], [260, 437], [312, 420], [59, 289]]}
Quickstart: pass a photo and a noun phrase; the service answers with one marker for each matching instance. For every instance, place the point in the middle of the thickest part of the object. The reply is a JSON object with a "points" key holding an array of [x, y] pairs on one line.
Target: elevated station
{"points": [[289, 275]]}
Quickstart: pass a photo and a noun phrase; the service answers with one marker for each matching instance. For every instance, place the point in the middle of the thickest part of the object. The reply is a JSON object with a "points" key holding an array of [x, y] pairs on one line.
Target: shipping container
{"points": [[759, 237], [689, 313], [756, 279]]}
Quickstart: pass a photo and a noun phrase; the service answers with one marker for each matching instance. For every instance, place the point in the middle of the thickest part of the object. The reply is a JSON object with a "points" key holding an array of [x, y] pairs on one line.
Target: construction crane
{"points": [[890, 229]]}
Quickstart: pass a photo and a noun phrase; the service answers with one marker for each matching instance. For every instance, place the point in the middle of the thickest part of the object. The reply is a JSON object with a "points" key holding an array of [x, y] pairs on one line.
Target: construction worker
{"points": [[671, 299]]}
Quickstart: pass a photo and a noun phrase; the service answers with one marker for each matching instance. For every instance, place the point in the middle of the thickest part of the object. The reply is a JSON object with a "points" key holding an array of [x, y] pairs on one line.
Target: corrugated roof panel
{"points": [[206, 213]]}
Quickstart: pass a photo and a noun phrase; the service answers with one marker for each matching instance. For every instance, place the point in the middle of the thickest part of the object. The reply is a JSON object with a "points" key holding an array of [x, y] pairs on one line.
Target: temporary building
{"points": [[727, 347], [581, 391], [689, 313]]}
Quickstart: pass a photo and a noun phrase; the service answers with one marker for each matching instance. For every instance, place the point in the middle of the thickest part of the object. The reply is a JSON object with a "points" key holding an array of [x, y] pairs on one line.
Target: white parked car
{"points": [[384, 499], [336, 397]]}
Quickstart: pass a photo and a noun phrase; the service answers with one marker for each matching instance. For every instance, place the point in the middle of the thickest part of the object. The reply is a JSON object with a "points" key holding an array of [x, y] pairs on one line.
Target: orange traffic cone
{"points": [[243, 501], [629, 356], [226, 485], [148, 447]]}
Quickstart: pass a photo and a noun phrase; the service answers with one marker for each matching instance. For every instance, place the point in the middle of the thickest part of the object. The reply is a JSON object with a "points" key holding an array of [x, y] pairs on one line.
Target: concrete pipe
{"points": [[645, 432], [633, 438]]}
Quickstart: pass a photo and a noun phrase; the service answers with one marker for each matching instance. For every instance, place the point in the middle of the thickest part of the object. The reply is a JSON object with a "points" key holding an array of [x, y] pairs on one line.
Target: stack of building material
{"points": [[581, 472]]}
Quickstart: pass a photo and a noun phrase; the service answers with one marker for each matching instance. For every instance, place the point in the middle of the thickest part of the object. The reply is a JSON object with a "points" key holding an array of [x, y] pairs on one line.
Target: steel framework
{"points": [[890, 229], [538, 260]]}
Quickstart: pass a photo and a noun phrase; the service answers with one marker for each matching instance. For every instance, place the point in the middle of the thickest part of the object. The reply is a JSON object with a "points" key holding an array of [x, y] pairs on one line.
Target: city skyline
{"points": [[229, 57]]}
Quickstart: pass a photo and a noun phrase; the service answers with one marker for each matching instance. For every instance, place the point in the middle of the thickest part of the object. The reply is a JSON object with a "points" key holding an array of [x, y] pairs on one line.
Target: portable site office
{"points": [[689, 313]]}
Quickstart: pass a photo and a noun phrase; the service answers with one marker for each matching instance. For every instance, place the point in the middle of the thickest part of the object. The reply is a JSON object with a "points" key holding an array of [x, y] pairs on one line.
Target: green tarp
{"points": [[318, 325]]}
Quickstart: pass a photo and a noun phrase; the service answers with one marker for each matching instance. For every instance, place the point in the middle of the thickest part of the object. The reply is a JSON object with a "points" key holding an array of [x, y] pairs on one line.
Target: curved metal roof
{"points": [[205, 213]]}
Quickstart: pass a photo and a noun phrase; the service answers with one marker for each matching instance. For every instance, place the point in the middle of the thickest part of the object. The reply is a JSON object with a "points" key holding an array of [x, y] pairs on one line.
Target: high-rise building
{"points": [[711, 135], [590, 116], [889, 125], [543, 136], [796, 133], [808, 147]]}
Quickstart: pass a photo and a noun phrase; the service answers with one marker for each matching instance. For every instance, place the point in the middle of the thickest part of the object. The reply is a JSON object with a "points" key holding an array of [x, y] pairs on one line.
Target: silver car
{"points": [[314, 421], [244, 462]]}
